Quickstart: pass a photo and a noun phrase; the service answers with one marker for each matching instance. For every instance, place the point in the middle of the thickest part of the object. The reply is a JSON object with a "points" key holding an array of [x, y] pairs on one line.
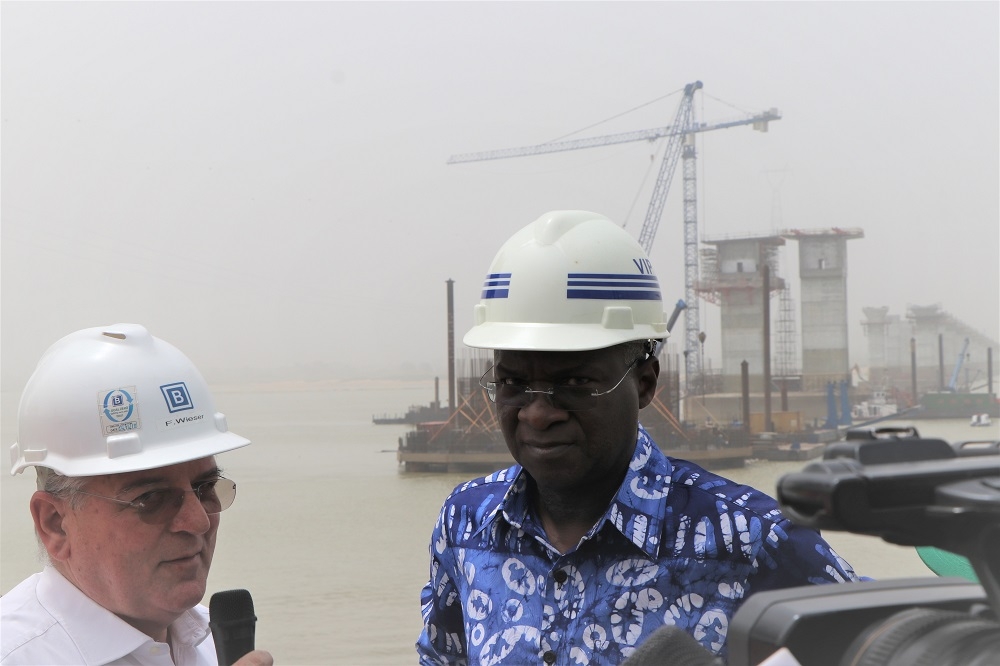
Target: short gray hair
{"points": [[57, 484], [50, 481]]}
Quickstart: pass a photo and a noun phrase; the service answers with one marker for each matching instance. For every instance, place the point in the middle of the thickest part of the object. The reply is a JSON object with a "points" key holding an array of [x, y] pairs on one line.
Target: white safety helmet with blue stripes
{"points": [[569, 281], [116, 399]]}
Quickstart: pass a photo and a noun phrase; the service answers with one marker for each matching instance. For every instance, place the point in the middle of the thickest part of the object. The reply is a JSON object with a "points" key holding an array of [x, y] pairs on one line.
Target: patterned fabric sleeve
{"points": [[793, 555], [782, 554], [442, 640]]}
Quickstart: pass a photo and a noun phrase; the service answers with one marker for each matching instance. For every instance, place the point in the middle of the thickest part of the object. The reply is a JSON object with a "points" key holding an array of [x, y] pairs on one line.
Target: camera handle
{"points": [[976, 501], [952, 504]]}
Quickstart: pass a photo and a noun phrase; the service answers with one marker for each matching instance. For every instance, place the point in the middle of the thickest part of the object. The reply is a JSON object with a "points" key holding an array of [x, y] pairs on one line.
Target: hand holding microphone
{"points": [[255, 658]]}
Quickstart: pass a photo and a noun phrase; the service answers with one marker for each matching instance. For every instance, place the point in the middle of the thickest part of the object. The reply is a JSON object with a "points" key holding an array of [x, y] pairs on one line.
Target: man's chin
{"points": [[185, 597], [184, 592]]}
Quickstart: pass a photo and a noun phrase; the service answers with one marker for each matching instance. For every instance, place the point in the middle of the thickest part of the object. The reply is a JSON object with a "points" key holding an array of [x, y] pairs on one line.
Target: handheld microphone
{"points": [[232, 622], [671, 645]]}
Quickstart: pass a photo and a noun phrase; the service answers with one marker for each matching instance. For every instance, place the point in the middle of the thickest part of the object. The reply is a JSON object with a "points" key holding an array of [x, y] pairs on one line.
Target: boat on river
{"points": [[877, 407], [980, 420]]}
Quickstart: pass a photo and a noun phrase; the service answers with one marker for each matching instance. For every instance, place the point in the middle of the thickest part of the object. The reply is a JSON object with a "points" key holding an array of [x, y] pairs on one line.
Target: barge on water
{"points": [[469, 440], [436, 446], [957, 405], [466, 440], [415, 414]]}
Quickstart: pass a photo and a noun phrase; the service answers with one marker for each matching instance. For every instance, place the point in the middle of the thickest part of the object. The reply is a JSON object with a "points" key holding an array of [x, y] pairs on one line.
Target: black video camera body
{"points": [[909, 491]]}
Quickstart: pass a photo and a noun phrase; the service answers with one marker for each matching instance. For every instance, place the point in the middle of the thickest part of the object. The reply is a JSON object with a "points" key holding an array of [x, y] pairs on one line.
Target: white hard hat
{"points": [[569, 281], [116, 399]]}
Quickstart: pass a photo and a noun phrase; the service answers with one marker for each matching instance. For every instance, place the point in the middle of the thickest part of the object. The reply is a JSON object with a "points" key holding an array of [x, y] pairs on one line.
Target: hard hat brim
{"points": [[194, 448], [525, 336]]}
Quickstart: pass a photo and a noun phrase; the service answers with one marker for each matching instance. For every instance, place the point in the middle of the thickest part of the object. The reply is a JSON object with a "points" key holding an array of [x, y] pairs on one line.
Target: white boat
{"points": [[877, 408], [980, 420]]}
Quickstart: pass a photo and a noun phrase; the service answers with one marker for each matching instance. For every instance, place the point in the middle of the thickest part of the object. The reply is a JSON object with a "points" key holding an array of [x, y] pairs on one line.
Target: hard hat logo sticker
{"points": [[496, 285], [177, 397], [119, 411], [118, 405]]}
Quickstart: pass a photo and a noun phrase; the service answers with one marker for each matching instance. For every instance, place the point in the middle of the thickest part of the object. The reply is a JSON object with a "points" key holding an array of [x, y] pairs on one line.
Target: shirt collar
{"points": [[100, 635], [636, 511]]}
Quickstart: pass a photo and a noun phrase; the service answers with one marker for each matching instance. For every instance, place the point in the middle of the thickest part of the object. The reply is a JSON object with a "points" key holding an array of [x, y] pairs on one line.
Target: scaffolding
{"points": [[786, 362]]}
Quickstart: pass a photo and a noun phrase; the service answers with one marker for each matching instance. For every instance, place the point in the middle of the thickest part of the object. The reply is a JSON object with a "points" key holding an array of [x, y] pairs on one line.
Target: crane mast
{"points": [[682, 121], [681, 141], [680, 144]]}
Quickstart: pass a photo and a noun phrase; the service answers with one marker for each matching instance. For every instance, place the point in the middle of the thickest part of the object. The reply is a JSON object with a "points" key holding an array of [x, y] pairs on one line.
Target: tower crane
{"points": [[680, 142], [953, 382]]}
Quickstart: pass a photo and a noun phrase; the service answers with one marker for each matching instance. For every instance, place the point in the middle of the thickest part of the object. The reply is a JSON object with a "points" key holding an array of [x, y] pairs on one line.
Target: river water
{"points": [[331, 539]]}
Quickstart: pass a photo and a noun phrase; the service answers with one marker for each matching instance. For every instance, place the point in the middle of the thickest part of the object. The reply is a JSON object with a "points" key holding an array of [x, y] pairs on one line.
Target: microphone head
{"points": [[231, 605], [231, 618]]}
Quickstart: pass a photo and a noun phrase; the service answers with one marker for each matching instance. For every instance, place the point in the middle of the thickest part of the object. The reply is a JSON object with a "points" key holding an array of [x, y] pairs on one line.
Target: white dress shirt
{"points": [[46, 620]]}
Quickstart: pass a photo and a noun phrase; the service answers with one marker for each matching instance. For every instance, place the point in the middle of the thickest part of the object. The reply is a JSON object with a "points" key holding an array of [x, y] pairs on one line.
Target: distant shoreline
{"points": [[293, 385]]}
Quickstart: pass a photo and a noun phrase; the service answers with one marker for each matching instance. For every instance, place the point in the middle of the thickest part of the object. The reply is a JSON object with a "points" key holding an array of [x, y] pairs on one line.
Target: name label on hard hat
{"points": [[183, 420], [119, 410], [644, 265]]}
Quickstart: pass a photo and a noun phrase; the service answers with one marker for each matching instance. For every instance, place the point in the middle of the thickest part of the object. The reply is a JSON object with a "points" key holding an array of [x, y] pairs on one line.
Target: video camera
{"points": [[910, 491]]}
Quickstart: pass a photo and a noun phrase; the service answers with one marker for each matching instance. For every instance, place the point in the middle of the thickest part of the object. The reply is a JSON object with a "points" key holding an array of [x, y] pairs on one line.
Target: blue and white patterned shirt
{"points": [[678, 545]]}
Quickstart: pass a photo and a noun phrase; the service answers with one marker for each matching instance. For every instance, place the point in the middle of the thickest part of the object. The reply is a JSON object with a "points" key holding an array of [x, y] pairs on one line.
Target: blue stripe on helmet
{"points": [[650, 284], [493, 281], [612, 276], [614, 295], [613, 286]]}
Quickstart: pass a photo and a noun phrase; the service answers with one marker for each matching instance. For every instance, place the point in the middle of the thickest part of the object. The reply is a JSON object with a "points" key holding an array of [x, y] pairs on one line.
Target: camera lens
{"points": [[926, 637]]}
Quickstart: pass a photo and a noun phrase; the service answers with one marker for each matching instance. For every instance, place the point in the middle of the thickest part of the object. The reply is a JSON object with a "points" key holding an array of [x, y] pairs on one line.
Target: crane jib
{"points": [[680, 144]]}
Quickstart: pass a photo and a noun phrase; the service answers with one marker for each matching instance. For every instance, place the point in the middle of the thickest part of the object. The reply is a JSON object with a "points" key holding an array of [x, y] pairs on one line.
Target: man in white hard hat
{"points": [[123, 433], [595, 539]]}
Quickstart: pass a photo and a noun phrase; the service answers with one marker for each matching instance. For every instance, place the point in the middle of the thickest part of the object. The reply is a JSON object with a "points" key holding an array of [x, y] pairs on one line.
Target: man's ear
{"points": [[48, 513], [648, 372]]}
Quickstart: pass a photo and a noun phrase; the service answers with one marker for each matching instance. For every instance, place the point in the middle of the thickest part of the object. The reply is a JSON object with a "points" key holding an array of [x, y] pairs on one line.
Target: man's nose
{"points": [[191, 516], [541, 410]]}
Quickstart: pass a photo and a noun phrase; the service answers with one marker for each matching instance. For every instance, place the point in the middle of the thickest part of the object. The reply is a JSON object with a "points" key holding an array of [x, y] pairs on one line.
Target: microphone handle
{"points": [[233, 639]]}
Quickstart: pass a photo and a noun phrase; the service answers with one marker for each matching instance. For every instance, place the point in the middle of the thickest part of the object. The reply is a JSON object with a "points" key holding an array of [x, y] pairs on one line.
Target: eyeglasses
{"points": [[510, 392], [158, 507]]}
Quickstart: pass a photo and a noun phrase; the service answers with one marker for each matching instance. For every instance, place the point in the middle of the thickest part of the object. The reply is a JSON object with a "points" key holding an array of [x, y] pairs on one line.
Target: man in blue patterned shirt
{"points": [[595, 539]]}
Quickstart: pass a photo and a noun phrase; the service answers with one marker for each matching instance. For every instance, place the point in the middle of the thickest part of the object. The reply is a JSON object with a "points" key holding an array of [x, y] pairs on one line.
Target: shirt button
{"points": [[549, 657], [560, 577]]}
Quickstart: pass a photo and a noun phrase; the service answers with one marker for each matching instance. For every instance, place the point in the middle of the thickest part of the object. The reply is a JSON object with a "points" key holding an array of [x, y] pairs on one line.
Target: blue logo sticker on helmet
{"points": [[119, 410], [177, 397], [613, 286], [496, 285], [118, 405]]}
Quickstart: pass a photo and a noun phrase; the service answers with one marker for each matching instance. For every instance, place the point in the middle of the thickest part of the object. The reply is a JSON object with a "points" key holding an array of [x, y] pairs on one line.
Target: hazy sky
{"points": [[264, 184]]}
